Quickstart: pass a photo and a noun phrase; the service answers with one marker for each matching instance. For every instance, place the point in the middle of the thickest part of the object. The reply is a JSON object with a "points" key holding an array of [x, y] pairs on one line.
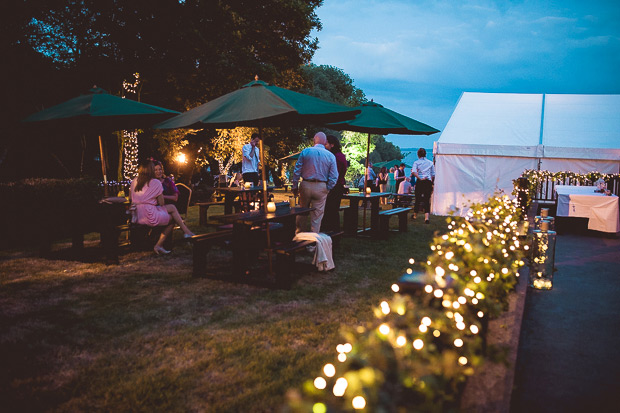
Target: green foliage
{"points": [[354, 146], [332, 84], [417, 352], [537, 178], [384, 151]]}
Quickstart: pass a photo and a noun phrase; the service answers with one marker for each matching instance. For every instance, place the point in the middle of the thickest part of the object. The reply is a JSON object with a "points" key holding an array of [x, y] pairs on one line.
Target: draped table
{"points": [[601, 210]]}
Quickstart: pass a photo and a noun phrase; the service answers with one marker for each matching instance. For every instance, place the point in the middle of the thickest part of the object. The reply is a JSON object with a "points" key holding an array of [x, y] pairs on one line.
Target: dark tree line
{"points": [[187, 53]]}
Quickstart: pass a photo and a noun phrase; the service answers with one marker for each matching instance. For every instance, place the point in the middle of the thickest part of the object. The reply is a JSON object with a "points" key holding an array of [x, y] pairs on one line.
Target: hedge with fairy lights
{"points": [[535, 178], [425, 341]]}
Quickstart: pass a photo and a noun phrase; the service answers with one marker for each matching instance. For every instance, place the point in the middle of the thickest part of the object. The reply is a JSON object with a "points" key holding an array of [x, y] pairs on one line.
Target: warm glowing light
{"points": [[180, 158], [462, 360], [436, 333], [358, 402], [329, 370], [418, 344], [477, 280], [462, 300], [319, 408], [401, 341], [438, 293], [480, 314], [460, 326], [426, 321], [271, 207], [340, 348], [320, 383], [473, 328], [440, 272], [423, 328], [384, 329], [340, 387], [395, 288], [347, 347], [428, 288], [458, 342], [342, 357], [411, 261], [455, 305], [449, 255], [385, 308]]}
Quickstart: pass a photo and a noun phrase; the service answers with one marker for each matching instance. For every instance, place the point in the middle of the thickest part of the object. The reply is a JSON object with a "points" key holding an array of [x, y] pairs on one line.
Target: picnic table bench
{"points": [[285, 256], [384, 220], [204, 208], [201, 244]]}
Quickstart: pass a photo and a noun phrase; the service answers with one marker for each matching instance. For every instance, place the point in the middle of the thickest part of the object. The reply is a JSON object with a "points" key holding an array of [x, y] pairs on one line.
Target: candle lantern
{"points": [[247, 185], [368, 190], [271, 207], [548, 221], [544, 212], [543, 257]]}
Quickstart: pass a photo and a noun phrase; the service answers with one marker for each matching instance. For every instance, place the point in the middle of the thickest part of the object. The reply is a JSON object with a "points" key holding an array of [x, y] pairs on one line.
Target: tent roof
{"points": [[509, 124]]}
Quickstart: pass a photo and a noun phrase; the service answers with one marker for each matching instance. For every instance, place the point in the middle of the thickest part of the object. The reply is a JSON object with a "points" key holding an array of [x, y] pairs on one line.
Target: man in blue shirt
{"points": [[317, 168]]}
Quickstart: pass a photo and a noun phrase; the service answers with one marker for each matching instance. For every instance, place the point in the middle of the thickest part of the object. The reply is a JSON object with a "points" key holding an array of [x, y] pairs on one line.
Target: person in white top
{"points": [[424, 171], [249, 162], [405, 187]]}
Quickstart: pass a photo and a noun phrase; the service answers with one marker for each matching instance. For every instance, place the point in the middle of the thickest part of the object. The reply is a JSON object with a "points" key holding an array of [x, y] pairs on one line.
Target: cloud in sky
{"points": [[418, 57]]}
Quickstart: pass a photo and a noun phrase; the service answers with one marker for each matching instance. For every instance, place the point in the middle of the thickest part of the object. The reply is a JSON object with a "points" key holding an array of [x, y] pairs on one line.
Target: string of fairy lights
{"points": [[535, 179], [130, 138], [425, 341]]}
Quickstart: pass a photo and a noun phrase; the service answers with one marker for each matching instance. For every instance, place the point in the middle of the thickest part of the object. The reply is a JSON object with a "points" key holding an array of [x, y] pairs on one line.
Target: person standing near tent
{"points": [[249, 162], [331, 219], [424, 171], [317, 167], [382, 182]]}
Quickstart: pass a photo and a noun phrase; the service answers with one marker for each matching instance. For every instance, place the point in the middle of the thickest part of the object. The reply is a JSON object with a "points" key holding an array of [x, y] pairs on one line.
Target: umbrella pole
{"points": [[366, 178], [103, 168], [265, 197]]}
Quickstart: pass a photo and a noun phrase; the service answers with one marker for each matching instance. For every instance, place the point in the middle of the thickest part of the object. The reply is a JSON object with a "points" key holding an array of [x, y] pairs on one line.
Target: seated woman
{"points": [[171, 193], [146, 195]]}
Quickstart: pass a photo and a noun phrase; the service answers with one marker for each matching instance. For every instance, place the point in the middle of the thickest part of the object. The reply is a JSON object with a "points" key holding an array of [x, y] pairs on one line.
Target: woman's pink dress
{"points": [[148, 212]]}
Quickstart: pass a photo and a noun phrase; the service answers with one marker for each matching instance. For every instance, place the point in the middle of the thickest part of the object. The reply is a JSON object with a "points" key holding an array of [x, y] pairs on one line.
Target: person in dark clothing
{"points": [[331, 219]]}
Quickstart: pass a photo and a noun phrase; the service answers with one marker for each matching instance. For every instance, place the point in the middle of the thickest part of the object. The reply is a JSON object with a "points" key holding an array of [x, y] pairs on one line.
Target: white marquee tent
{"points": [[491, 138]]}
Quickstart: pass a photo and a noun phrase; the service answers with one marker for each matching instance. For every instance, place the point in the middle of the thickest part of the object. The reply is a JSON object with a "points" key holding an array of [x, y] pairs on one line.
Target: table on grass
{"points": [[581, 201], [246, 196], [250, 232], [351, 225]]}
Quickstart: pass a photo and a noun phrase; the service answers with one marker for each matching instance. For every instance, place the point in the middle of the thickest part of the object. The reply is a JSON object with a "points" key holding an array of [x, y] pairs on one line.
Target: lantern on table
{"points": [[543, 257]]}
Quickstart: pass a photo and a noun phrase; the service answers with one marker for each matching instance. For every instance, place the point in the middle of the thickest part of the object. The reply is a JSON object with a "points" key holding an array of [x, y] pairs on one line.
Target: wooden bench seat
{"points": [[204, 208], [201, 244], [285, 257], [384, 220]]}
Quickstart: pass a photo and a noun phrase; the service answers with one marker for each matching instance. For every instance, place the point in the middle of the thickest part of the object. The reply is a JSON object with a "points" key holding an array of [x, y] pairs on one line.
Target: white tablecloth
{"points": [[581, 201]]}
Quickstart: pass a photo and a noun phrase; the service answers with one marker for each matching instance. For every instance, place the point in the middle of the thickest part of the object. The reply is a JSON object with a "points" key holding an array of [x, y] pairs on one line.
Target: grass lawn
{"points": [[146, 336]]}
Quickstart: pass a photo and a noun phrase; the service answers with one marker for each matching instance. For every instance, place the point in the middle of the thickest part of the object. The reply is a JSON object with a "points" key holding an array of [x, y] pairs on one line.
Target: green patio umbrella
{"points": [[258, 104], [291, 157], [389, 164], [375, 119], [98, 111]]}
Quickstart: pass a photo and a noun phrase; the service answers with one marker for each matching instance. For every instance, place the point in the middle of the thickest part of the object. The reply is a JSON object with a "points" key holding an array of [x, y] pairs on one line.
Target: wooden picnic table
{"points": [[248, 195], [249, 232], [351, 223]]}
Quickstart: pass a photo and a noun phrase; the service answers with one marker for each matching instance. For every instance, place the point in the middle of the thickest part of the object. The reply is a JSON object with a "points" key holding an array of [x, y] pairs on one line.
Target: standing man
{"points": [[319, 172], [249, 163], [399, 176], [424, 171], [371, 177]]}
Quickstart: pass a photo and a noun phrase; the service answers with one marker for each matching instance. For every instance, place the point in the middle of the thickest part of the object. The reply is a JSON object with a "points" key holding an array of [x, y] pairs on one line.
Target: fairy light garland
{"points": [[130, 138], [436, 332], [535, 179]]}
